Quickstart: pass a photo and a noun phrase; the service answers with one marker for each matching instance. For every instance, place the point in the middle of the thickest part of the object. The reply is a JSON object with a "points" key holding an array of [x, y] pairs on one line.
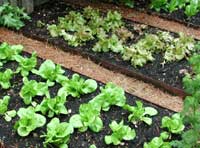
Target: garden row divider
{"points": [[141, 17]]}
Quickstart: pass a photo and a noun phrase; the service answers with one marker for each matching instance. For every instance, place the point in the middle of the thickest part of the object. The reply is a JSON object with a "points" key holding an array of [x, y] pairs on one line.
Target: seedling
{"points": [[140, 113], [88, 117], [33, 88], [120, 132], [58, 133], [52, 106], [26, 64], [77, 86], [110, 95], [174, 124], [5, 78], [29, 121]]}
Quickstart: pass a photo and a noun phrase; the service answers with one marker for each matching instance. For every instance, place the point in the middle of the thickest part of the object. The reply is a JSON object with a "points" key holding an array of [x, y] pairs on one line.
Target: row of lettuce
{"points": [[33, 115], [190, 7], [110, 34]]}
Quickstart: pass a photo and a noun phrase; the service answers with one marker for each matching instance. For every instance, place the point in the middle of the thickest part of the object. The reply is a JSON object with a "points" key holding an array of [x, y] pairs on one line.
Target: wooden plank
{"points": [[39, 2], [28, 5]]}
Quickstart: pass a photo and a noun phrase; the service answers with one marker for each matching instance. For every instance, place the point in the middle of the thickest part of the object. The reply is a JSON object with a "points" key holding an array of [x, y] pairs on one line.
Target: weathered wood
{"points": [[27, 4]]}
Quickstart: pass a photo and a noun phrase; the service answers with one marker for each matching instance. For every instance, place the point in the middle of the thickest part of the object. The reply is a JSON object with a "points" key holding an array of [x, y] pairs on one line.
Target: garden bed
{"points": [[11, 139], [167, 76], [177, 15]]}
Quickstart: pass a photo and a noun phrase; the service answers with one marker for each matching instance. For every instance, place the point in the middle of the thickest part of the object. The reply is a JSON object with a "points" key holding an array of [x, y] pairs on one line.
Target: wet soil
{"points": [[162, 75], [77, 140]]}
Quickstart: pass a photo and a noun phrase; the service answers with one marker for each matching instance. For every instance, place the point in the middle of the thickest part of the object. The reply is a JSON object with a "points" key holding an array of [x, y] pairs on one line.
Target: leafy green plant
{"points": [[140, 113], [77, 86], [51, 106], [8, 52], [12, 16], [159, 142], [93, 146], [142, 52], [191, 108], [174, 124], [120, 132], [191, 7], [109, 44], [58, 133], [113, 20], [26, 64], [7, 115], [29, 121], [33, 88], [110, 95], [48, 70], [88, 117], [4, 104], [5, 78]]}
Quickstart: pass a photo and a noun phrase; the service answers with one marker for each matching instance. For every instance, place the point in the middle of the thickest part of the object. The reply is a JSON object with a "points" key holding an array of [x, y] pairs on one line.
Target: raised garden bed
{"points": [[11, 139], [167, 76]]}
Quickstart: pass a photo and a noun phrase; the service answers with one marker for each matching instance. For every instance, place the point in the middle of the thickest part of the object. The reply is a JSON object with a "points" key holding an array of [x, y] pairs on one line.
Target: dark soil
{"points": [[77, 140], [178, 15], [162, 75]]}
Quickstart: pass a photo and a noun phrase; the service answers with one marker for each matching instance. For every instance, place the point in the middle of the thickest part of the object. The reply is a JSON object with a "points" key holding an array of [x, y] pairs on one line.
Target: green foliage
{"points": [[5, 78], [26, 64], [12, 16], [159, 142], [109, 44], [191, 7], [8, 52], [174, 124], [120, 132], [112, 21], [110, 95], [9, 115], [191, 108], [58, 133], [142, 52], [51, 106], [93, 146], [140, 113], [48, 70], [33, 88], [4, 104], [88, 117], [29, 121], [77, 86]]}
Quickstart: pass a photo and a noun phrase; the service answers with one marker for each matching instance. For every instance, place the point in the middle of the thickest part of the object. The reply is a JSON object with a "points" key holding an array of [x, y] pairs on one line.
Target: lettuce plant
{"points": [[52, 106], [58, 133], [159, 142], [26, 64], [77, 86], [110, 95], [29, 121], [140, 113], [4, 104], [8, 52], [7, 115], [112, 43], [48, 70], [12, 16], [191, 7], [33, 88], [88, 117], [113, 20], [120, 132], [174, 124], [5, 78]]}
